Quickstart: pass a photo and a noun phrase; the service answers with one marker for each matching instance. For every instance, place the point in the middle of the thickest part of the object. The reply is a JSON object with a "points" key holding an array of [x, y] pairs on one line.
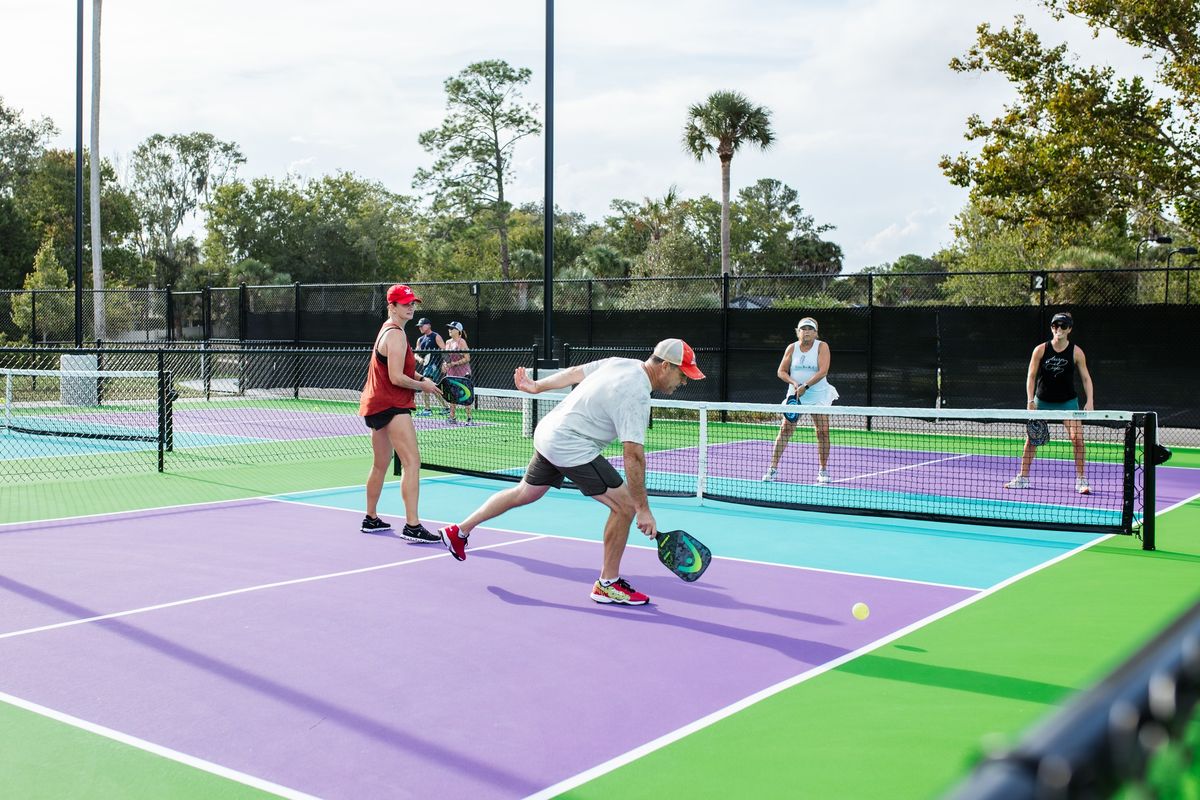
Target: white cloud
{"points": [[863, 102]]}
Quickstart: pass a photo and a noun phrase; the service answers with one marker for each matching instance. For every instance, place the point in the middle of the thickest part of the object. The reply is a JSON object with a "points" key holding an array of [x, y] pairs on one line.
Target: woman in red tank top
{"points": [[386, 405]]}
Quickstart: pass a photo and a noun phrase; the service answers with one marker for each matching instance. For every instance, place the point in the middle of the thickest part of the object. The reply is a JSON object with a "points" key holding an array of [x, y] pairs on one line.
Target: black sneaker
{"points": [[418, 533], [374, 525]]}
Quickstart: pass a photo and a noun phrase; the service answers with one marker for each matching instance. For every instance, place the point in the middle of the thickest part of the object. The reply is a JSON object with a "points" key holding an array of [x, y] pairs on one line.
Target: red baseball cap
{"points": [[677, 352], [402, 294]]}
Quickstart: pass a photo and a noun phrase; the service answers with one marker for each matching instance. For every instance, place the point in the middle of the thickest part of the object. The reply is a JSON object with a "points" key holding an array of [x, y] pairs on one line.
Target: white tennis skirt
{"points": [[818, 396]]}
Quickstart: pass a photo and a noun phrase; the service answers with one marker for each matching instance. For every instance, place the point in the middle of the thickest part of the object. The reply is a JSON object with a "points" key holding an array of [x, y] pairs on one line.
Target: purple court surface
{"points": [[273, 639]]}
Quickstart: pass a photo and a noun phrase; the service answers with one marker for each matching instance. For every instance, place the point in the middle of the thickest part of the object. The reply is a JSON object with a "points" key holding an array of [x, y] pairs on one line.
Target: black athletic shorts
{"points": [[593, 478], [380, 421]]}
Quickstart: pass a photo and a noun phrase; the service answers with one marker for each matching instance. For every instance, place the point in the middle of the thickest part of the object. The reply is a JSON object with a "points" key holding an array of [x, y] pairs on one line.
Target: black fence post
{"points": [[206, 312], [870, 339], [477, 334], [590, 321], [724, 339], [33, 316], [296, 306], [170, 312], [243, 310], [1042, 279], [1150, 462]]}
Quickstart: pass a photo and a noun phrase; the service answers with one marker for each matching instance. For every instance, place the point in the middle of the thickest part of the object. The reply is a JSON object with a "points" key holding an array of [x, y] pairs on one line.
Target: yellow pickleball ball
{"points": [[860, 611]]}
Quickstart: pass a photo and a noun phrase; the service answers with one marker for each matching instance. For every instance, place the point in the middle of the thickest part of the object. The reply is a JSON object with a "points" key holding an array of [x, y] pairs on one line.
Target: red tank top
{"points": [[379, 393]]}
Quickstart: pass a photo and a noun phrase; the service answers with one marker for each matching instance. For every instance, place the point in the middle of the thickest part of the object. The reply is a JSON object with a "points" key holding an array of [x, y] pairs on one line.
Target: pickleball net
{"points": [[938, 464], [87, 410], [217, 408]]}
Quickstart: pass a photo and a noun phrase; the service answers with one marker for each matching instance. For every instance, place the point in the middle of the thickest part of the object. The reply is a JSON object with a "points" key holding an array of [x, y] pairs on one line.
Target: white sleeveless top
{"points": [[804, 366]]}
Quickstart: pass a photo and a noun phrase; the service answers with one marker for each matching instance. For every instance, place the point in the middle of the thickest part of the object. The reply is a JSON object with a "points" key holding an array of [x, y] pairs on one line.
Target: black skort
{"points": [[380, 421]]}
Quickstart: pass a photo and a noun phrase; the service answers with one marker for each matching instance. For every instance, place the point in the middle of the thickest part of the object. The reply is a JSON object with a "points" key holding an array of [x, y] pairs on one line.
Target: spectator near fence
{"points": [[457, 362], [430, 344]]}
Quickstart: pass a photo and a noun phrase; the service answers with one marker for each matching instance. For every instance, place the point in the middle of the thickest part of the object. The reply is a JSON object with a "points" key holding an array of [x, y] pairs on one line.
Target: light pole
{"points": [[1185, 251], [1137, 259]]}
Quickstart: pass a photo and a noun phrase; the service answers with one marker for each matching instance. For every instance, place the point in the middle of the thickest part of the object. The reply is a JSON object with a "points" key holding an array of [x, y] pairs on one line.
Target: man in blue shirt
{"points": [[429, 362]]}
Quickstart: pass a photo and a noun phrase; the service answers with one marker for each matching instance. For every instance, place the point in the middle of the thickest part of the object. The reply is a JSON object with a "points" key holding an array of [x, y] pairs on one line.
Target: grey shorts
{"points": [[593, 478]]}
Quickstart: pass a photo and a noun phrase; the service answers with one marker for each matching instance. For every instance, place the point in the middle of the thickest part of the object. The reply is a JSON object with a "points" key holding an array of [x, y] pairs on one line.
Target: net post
{"points": [[1149, 489], [162, 408], [8, 400], [702, 456], [1129, 493], [206, 369], [534, 406]]}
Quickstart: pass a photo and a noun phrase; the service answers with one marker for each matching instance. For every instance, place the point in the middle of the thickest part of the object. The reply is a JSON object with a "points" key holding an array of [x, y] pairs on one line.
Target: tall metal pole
{"points": [[79, 174], [548, 194]]}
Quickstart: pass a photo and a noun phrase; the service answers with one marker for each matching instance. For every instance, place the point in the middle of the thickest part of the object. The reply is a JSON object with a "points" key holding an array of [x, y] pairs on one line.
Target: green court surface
{"points": [[904, 721]]}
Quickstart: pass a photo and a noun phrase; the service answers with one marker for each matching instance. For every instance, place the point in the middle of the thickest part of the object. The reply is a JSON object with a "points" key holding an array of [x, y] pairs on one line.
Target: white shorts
{"points": [[819, 396]]}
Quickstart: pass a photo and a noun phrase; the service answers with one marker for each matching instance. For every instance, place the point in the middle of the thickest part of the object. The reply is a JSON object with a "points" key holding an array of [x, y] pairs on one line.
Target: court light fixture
{"points": [[1137, 261]]}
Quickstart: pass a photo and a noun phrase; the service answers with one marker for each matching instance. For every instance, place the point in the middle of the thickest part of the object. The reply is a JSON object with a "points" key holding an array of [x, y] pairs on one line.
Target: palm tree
{"points": [[730, 120]]}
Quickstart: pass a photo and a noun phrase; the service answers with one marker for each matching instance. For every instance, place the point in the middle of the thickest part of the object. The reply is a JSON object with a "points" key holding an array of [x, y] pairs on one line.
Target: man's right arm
{"points": [[559, 380], [635, 478]]}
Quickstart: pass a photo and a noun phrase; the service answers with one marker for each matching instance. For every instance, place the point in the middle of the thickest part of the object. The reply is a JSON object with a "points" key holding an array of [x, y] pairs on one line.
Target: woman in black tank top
{"points": [[1050, 386]]}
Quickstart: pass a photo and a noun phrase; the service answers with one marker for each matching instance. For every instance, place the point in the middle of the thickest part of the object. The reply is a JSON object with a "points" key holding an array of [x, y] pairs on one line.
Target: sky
{"points": [[863, 103]]}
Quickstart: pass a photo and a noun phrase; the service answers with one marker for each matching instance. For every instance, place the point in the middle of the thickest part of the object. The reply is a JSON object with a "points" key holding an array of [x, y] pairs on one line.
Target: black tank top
{"points": [[1056, 374]]}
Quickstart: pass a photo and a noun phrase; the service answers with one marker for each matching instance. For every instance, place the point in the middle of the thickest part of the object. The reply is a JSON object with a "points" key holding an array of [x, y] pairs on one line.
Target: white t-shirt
{"points": [[612, 403]]}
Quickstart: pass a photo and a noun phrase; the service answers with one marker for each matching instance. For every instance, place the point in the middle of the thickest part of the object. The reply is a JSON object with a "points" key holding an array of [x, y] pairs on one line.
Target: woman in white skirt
{"points": [[803, 368]]}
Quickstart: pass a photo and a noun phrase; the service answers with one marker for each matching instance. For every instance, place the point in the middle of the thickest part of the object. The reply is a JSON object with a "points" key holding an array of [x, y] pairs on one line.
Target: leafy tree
{"points": [[475, 145], [55, 310], [600, 261], [772, 234], [45, 205], [723, 124], [910, 280], [985, 244], [1067, 285], [335, 228], [21, 146], [1081, 146], [172, 176]]}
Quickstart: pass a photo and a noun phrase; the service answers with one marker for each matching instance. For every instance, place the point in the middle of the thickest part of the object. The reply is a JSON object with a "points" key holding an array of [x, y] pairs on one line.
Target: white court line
{"points": [[158, 750], [245, 590], [720, 714], [649, 546], [904, 467], [1177, 505]]}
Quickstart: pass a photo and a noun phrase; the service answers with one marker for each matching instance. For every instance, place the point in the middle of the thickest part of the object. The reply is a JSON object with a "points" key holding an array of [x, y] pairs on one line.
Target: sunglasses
{"points": [[1062, 325]]}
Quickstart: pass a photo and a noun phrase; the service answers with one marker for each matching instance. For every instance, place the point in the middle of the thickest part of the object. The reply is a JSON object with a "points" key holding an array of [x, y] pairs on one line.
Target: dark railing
{"points": [[1103, 743]]}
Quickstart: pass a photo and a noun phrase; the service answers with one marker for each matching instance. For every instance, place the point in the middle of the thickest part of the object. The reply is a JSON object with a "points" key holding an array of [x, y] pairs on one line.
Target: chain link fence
{"points": [[960, 340], [132, 409]]}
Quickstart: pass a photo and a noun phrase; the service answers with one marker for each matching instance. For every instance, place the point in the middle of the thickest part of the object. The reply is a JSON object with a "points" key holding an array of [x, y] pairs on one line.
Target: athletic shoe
{"points": [[455, 543], [418, 533], [374, 525], [620, 592], [772, 473], [822, 476], [1082, 486], [443, 411], [1019, 482], [425, 412]]}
